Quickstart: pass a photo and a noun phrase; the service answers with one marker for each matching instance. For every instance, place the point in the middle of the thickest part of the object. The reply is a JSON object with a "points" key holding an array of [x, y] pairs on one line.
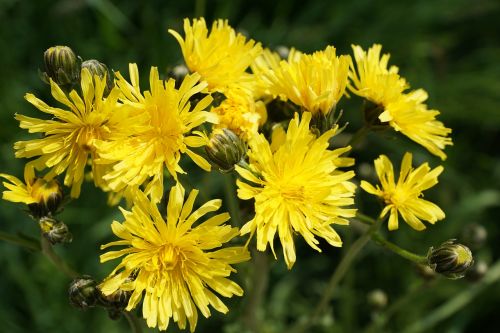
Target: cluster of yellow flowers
{"points": [[130, 139]]}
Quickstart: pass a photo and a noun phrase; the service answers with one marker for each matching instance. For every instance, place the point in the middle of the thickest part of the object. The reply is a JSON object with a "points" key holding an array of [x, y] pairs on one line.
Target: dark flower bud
{"points": [[55, 231], [96, 67], [61, 65], [48, 195], [83, 292], [225, 149], [450, 259]]}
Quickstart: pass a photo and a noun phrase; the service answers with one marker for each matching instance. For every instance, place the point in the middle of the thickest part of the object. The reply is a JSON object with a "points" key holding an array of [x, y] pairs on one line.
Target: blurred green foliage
{"points": [[451, 48]]}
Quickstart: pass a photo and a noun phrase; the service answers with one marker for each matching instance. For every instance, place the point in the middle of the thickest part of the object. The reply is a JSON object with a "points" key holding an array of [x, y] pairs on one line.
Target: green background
{"points": [[450, 48]]}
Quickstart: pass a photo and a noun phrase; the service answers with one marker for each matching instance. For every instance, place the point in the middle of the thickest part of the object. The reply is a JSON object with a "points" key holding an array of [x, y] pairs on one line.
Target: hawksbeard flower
{"points": [[220, 56], [404, 112], [178, 266], [315, 82], [296, 188], [141, 158], [70, 135], [404, 197], [240, 113]]}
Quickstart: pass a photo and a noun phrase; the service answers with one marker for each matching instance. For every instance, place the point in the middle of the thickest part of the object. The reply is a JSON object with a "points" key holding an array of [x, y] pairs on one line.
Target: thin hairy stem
{"points": [[48, 252]]}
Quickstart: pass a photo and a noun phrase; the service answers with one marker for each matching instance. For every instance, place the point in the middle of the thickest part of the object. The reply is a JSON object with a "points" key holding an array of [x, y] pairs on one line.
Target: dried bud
{"points": [[83, 292], [474, 235], [96, 67], [48, 195], [377, 299], [450, 259], [55, 231], [61, 65], [225, 149]]}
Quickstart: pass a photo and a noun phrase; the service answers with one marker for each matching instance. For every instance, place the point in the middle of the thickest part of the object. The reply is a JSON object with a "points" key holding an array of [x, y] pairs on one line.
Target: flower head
{"points": [[70, 135], [404, 111], [296, 188], [315, 82], [178, 266], [404, 196], [240, 113], [141, 158], [220, 56]]}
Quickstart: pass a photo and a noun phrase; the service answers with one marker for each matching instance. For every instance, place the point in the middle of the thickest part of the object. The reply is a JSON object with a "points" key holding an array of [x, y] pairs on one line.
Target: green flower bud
{"points": [[49, 196], [320, 123], [55, 231], [83, 292], [61, 65], [225, 149], [96, 67], [377, 299], [450, 259]]}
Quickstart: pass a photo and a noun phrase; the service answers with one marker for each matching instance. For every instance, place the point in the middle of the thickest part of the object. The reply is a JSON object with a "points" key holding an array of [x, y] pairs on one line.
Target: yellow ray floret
{"points": [[297, 187], [404, 196], [69, 136], [406, 112], [140, 159], [177, 267], [220, 56], [315, 82]]}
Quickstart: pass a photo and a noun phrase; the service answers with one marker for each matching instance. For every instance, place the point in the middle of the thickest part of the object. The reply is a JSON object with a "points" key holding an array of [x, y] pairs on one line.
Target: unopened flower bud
{"points": [[96, 67], [61, 65], [377, 299], [282, 51], [48, 195], [83, 292], [55, 231], [225, 149], [474, 235], [450, 259]]}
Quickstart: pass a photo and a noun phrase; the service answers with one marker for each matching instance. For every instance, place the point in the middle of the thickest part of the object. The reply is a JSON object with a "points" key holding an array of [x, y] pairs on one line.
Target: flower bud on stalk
{"points": [[83, 292], [225, 149], [55, 231], [49, 196], [62, 66], [96, 67], [450, 259]]}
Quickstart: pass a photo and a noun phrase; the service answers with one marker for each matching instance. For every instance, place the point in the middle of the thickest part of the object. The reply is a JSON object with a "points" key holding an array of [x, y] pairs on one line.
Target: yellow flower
{"points": [[221, 57], [240, 113], [404, 197], [297, 188], [70, 135], [40, 195], [141, 158], [315, 82], [177, 267], [403, 111]]}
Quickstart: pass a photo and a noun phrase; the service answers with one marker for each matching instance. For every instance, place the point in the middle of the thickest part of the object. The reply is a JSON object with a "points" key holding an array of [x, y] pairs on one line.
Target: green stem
{"points": [[260, 278], [232, 198], [48, 252], [199, 8], [417, 259], [456, 303], [337, 276], [21, 241], [358, 136], [364, 218], [134, 324]]}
